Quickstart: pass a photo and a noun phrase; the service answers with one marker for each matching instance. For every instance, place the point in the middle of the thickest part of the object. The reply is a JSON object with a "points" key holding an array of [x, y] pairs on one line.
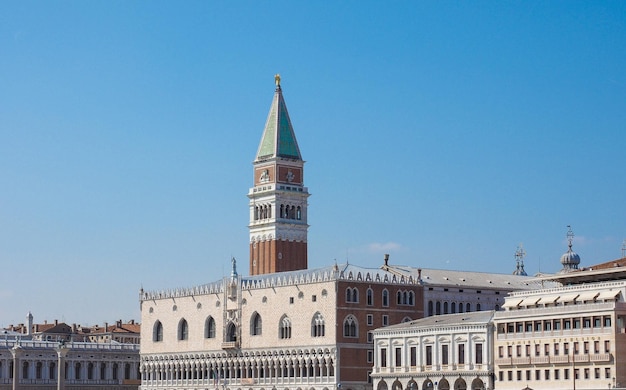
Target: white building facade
{"points": [[562, 338], [441, 352]]}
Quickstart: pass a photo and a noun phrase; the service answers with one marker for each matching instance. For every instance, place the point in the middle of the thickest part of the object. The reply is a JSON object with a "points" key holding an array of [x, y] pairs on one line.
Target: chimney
{"points": [[386, 259], [106, 326], [73, 328], [132, 322], [118, 323], [56, 322], [419, 275]]}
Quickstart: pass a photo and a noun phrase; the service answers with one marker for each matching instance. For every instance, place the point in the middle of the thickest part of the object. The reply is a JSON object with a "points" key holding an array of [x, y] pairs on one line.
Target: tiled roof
{"points": [[469, 318], [440, 277], [279, 139]]}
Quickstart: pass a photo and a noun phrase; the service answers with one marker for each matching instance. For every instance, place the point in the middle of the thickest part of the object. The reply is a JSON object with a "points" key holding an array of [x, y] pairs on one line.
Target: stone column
{"points": [[61, 353], [16, 351]]}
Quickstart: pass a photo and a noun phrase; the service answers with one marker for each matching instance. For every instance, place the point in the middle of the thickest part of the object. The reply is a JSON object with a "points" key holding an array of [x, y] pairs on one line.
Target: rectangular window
{"points": [[607, 373], [565, 348], [528, 350], [291, 300], [596, 347], [586, 347], [546, 374], [576, 373], [519, 375], [500, 351], [370, 337], [537, 349], [529, 327], [576, 323], [546, 350], [519, 327], [607, 346], [576, 349], [383, 357], [413, 356], [557, 324], [537, 326], [586, 373], [596, 373], [444, 354], [556, 349], [587, 322], [607, 321], [537, 375], [518, 351], [597, 322], [461, 354], [398, 357], [565, 374], [370, 319], [314, 298], [509, 351], [479, 353], [500, 376], [429, 355], [527, 375], [370, 356], [385, 320], [547, 325], [510, 375], [556, 374], [567, 324]]}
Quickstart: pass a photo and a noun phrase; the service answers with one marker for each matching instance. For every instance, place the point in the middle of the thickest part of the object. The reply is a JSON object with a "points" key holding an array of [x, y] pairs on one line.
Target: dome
{"points": [[570, 258]]}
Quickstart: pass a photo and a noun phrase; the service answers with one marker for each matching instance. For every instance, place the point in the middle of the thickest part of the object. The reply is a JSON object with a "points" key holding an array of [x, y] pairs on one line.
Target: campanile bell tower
{"points": [[278, 199]]}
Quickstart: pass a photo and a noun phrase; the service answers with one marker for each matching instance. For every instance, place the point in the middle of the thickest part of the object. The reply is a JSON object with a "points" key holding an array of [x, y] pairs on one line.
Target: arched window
{"points": [[348, 294], [350, 328], [157, 331], [115, 369], [77, 367], [282, 210], [468, 308], [39, 369], [460, 307], [430, 308], [256, 324], [355, 295], [317, 325], [438, 308], [478, 307], [52, 370], [127, 371], [90, 371], [209, 328], [370, 297], [399, 298], [231, 332], [406, 319], [385, 298], [453, 307], [183, 330], [284, 328], [411, 298], [25, 370], [445, 308], [269, 211], [298, 213], [292, 212]]}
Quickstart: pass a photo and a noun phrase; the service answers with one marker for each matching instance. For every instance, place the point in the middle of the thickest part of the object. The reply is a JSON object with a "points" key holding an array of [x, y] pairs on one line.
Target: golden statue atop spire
{"points": [[277, 79]]}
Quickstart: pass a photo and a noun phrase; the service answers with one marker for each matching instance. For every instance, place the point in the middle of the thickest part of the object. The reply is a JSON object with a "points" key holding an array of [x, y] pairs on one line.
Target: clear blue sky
{"points": [[443, 133]]}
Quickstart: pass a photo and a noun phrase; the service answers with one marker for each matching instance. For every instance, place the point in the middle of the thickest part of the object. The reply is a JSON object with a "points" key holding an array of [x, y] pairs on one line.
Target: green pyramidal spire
{"points": [[278, 139]]}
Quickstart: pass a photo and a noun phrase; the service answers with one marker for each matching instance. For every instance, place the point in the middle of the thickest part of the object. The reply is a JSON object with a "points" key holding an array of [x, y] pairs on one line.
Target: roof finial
{"points": [[624, 248], [570, 236], [277, 79], [520, 253]]}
